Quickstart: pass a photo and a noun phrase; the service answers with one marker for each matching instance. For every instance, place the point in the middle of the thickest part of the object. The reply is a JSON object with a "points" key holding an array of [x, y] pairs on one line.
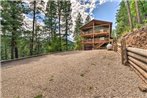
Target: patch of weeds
{"points": [[82, 75], [39, 96]]}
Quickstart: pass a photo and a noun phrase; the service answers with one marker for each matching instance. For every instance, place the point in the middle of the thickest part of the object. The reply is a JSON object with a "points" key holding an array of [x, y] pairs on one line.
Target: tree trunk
{"points": [[32, 39], [5, 49], [6, 52], [66, 30], [137, 12], [12, 48], [129, 14], [16, 52], [59, 17]]}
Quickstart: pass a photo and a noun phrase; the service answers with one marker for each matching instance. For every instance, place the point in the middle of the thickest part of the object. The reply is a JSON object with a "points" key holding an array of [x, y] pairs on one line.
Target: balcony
{"points": [[95, 34], [96, 41]]}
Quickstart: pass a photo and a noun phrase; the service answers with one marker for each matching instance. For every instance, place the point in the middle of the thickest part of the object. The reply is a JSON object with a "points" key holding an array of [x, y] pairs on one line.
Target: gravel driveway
{"points": [[76, 74]]}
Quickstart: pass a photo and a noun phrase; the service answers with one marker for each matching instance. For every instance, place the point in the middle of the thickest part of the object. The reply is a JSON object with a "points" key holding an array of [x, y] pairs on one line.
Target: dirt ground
{"points": [[77, 74]]}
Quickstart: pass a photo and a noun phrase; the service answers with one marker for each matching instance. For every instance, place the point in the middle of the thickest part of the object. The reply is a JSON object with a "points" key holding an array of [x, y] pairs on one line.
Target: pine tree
{"points": [[138, 12], [50, 21], [33, 28], [122, 19], [67, 20], [79, 23], [51, 24], [88, 19], [129, 14], [35, 9], [59, 14], [11, 23]]}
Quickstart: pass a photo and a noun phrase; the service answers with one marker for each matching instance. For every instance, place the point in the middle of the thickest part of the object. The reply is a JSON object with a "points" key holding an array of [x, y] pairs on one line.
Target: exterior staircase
{"points": [[99, 45]]}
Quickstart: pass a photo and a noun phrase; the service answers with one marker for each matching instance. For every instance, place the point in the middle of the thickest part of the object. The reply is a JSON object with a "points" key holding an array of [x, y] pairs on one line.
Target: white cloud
{"points": [[78, 7], [102, 1], [27, 23]]}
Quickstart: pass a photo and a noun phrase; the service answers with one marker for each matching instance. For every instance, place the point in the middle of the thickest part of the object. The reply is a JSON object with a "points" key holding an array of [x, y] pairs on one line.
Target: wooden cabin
{"points": [[96, 34]]}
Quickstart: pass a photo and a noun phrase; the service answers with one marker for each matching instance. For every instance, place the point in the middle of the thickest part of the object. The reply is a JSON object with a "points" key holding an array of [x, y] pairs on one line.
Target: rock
{"points": [[143, 87], [109, 47]]}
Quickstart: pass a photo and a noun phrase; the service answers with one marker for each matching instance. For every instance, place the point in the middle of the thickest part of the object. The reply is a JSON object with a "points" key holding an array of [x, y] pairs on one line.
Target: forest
{"points": [[18, 41], [131, 14]]}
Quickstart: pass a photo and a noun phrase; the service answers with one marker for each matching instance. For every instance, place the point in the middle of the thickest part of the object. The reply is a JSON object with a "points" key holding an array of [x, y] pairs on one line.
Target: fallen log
{"points": [[142, 52]]}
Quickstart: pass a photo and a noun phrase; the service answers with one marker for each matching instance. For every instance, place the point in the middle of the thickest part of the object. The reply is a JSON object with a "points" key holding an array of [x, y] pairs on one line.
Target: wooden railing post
{"points": [[124, 52], [115, 45]]}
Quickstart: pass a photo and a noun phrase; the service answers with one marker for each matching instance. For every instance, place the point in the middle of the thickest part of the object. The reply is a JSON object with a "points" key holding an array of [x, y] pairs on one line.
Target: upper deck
{"points": [[96, 28]]}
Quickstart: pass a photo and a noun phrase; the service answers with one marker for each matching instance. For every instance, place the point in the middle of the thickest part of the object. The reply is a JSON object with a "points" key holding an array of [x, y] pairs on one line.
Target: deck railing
{"points": [[95, 41], [94, 34]]}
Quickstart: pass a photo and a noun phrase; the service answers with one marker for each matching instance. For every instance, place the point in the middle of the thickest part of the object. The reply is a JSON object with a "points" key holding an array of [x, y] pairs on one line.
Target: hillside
{"points": [[137, 38]]}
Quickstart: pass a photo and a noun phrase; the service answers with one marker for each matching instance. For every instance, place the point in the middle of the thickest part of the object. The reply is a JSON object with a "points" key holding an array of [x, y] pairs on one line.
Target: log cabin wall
{"points": [[96, 34]]}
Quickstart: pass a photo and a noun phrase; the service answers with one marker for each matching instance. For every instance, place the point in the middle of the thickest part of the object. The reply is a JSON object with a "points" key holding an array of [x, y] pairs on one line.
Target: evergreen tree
{"points": [[129, 14], [50, 21], [35, 9], [33, 28], [143, 11], [51, 25], [121, 19], [67, 20], [59, 15], [138, 12], [79, 23], [88, 19], [11, 23]]}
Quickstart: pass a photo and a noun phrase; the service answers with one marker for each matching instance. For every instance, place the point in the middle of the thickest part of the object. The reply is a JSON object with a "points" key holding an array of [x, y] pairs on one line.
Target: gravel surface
{"points": [[76, 74]]}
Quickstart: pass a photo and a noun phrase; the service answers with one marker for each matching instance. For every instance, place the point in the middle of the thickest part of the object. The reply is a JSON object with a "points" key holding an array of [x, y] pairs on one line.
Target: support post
{"points": [[82, 40], [93, 36], [115, 45], [109, 33], [124, 52]]}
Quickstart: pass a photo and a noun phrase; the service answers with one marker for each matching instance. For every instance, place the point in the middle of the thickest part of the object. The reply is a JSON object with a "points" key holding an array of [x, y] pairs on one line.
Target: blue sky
{"points": [[107, 11]]}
